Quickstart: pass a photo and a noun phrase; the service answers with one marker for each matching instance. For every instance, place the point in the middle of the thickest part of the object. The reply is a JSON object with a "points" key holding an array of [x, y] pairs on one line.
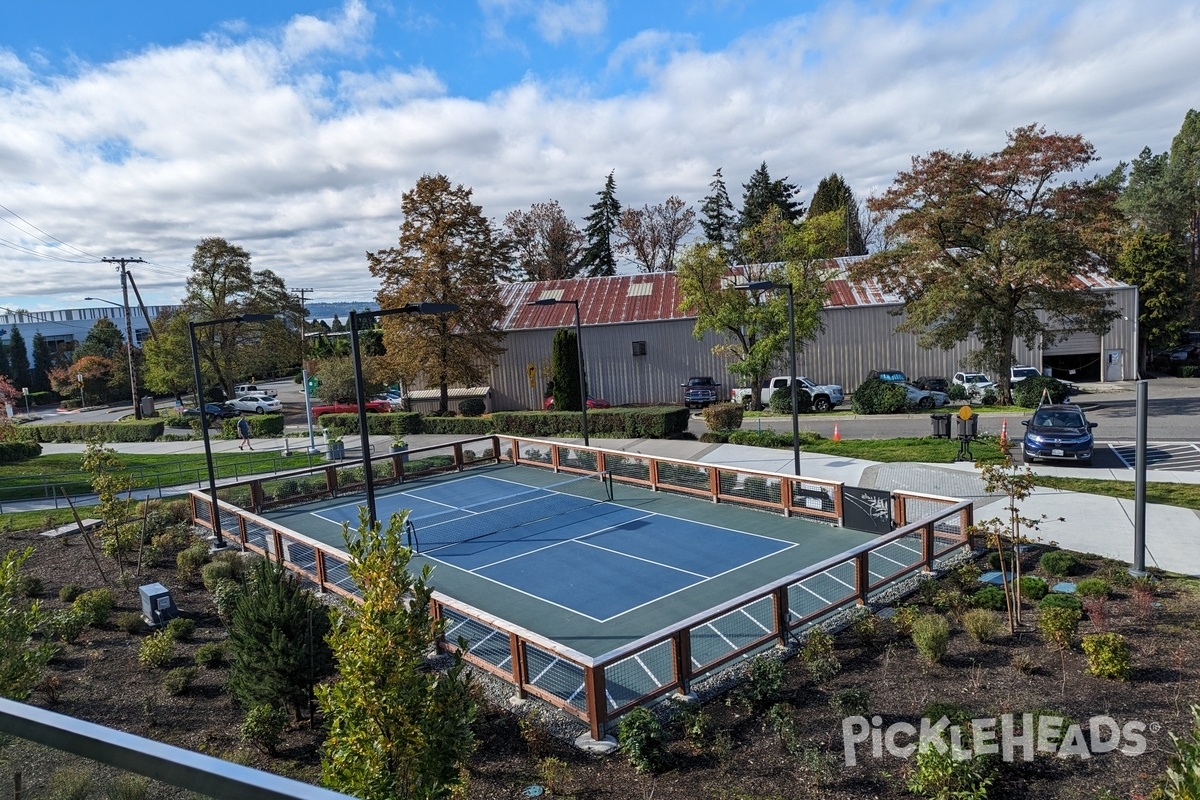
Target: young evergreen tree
{"points": [[564, 371], [5, 367], [277, 636], [396, 728], [834, 194], [718, 219], [762, 193], [43, 362], [599, 257], [18, 358]]}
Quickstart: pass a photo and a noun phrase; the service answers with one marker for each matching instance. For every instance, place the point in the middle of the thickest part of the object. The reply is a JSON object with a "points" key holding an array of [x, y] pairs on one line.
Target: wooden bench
{"points": [[67, 530]]}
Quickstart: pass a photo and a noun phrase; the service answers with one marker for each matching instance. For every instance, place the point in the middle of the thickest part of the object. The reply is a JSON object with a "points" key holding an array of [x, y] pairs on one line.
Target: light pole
{"points": [[758, 286], [550, 301], [360, 390], [133, 393], [212, 477]]}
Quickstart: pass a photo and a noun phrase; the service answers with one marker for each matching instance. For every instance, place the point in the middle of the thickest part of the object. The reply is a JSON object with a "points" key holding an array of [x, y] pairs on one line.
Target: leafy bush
{"points": [[1068, 601], [264, 726], [957, 393], [1058, 563], [225, 597], [640, 735], [990, 597], [764, 683], [215, 571], [69, 592], [181, 628], [691, 720], [179, 680], [157, 650], [989, 397], [876, 396], [850, 702], [1059, 625], [95, 606], [472, 407], [906, 615], [781, 401], [65, 625], [128, 787], [1183, 770], [1108, 655], [994, 560], [124, 431], [16, 451], [981, 624], [944, 777], [69, 784], [931, 635], [261, 426], [1028, 393], [210, 655], [1092, 587], [1033, 588], [131, 622], [818, 656], [723, 416], [189, 560]]}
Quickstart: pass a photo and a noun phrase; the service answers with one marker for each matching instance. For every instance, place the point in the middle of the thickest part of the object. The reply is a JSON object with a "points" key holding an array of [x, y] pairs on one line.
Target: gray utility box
{"points": [[157, 606]]}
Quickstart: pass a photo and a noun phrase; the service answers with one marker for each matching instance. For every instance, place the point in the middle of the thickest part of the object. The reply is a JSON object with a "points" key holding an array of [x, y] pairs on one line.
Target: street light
{"points": [[758, 286], [133, 393], [360, 390], [550, 301], [212, 477]]}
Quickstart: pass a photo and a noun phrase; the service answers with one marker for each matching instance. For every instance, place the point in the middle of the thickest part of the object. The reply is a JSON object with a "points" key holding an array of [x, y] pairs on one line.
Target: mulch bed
{"points": [[743, 755]]}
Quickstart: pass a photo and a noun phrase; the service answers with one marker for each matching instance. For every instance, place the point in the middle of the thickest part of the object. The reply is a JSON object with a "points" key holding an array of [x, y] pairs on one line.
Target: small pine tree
{"points": [[396, 729], [277, 640]]}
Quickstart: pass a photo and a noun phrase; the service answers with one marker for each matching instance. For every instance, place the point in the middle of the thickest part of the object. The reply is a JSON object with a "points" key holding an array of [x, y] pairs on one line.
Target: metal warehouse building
{"points": [[638, 347]]}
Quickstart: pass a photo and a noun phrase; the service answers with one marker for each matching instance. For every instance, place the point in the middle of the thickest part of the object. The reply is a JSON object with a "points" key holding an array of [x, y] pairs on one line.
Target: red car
{"points": [[345, 407], [592, 402]]}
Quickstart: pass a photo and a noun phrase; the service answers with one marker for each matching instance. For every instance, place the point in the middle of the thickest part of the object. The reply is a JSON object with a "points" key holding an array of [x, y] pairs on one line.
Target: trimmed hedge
{"points": [[43, 398], [261, 426], [145, 430], [660, 422], [1028, 393], [396, 423], [877, 396], [16, 452], [461, 426]]}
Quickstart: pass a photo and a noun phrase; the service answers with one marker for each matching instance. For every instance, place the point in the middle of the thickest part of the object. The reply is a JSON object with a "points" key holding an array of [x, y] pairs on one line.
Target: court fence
{"points": [[599, 689]]}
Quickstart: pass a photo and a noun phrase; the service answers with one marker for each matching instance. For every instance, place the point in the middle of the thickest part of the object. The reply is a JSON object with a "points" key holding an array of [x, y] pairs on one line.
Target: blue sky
{"points": [[139, 128]]}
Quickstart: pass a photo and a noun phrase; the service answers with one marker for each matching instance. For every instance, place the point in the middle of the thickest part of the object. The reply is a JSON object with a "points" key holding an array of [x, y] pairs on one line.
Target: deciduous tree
{"points": [[1157, 265], [448, 253], [548, 245], [599, 257], [652, 233], [992, 246], [22, 656]]}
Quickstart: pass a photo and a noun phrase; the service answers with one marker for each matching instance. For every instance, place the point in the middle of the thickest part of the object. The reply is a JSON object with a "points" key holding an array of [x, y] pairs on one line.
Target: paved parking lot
{"points": [[1175, 456]]}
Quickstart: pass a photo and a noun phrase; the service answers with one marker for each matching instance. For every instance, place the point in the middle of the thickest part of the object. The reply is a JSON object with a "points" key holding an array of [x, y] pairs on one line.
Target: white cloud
{"points": [[306, 35], [577, 19]]}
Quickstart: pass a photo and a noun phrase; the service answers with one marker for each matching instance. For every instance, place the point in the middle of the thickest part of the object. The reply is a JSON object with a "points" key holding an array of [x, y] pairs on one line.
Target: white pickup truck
{"points": [[824, 398], [250, 388]]}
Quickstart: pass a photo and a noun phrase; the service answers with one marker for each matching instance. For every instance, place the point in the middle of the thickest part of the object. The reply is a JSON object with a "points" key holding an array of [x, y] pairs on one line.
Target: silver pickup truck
{"points": [[250, 388], [824, 397]]}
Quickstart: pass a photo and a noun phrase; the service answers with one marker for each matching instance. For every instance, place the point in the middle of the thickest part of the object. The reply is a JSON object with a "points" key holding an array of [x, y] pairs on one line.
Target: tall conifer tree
{"points": [[599, 258]]}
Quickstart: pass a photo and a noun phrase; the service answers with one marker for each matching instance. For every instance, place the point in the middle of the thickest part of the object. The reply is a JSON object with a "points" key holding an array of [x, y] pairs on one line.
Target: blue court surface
{"points": [[594, 558]]}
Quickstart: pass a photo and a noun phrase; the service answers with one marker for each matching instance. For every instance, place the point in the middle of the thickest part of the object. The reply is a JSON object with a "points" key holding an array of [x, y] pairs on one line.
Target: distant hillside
{"points": [[317, 310]]}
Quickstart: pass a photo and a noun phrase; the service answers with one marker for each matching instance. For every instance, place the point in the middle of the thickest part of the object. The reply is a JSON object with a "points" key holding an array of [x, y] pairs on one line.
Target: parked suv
{"points": [[699, 392], [1059, 433]]}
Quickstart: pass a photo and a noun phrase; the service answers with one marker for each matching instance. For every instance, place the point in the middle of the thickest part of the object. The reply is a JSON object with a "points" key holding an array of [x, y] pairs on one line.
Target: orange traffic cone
{"points": [[837, 436], [1004, 434]]}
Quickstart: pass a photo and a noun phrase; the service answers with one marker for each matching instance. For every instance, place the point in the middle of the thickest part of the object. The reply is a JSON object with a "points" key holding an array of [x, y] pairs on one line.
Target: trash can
{"points": [[147, 406], [941, 425], [968, 428]]}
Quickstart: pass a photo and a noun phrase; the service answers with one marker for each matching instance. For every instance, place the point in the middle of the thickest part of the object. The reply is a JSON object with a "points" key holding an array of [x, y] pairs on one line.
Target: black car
{"points": [[213, 411], [932, 384], [1058, 433]]}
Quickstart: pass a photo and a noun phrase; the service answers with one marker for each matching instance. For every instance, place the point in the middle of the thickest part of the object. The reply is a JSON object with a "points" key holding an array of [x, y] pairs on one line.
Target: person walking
{"points": [[243, 427]]}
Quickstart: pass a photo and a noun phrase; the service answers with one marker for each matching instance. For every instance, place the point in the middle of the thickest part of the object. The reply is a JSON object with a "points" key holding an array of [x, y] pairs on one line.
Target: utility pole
{"points": [[133, 390], [312, 443]]}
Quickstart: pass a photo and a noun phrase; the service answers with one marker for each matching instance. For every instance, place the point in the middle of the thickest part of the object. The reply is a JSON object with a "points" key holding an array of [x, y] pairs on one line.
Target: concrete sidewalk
{"points": [[1081, 522]]}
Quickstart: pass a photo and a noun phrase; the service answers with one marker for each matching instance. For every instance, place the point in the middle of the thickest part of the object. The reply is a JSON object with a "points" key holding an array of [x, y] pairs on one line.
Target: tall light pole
{"points": [[133, 393], [212, 477], [360, 389], [758, 286], [550, 301]]}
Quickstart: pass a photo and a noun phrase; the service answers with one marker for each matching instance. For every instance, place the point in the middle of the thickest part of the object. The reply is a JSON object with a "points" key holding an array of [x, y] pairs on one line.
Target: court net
{"points": [[511, 511]]}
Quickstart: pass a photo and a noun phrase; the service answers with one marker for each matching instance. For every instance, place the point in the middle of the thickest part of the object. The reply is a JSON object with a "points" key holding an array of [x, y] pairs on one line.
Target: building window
{"points": [[639, 348]]}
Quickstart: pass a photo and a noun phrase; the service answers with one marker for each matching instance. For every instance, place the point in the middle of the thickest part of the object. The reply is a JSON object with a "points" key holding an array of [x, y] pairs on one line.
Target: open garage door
{"points": [[1075, 358]]}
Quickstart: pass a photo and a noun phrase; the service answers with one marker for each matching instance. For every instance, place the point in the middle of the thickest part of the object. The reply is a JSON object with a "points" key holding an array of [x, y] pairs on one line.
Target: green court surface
{"points": [[604, 575]]}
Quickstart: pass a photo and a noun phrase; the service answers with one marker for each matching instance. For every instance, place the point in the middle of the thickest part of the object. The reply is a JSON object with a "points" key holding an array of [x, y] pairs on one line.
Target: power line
{"points": [[47, 235]]}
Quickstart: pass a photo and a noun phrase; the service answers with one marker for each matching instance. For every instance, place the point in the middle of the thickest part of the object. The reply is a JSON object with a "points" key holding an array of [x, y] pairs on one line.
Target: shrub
{"points": [[210, 655], [850, 702], [65, 625], [1097, 612], [264, 726], [957, 392], [763, 685], [1068, 601], [931, 635], [95, 606], [981, 624], [179, 680], [215, 571], [876, 396], [69, 592], [1033, 588], [640, 735], [994, 560], [818, 656], [692, 721], [723, 416], [1058, 563], [866, 628], [1058, 625], [905, 616], [181, 628], [1108, 655], [157, 650], [472, 407], [69, 784], [225, 597], [128, 787], [943, 776], [131, 622], [189, 560], [1028, 393], [1092, 587], [990, 597], [31, 586], [1183, 770], [989, 397], [782, 719], [781, 401]]}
